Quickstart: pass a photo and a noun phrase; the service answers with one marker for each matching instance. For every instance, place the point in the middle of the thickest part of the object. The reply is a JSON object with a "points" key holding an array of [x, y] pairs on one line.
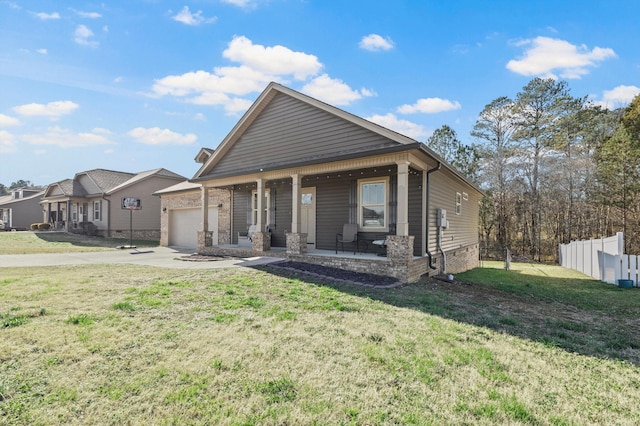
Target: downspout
{"points": [[435, 169], [444, 255], [108, 216]]}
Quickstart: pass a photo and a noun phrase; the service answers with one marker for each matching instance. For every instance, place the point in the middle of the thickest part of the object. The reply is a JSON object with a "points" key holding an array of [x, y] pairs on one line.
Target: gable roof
{"points": [[309, 112], [145, 175], [105, 180], [301, 130], [7, 200]]}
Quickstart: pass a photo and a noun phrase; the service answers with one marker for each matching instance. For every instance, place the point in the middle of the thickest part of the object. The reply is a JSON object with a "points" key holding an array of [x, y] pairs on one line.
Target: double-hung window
{"points": [[372, 206], [97, 210], [266, 219]]}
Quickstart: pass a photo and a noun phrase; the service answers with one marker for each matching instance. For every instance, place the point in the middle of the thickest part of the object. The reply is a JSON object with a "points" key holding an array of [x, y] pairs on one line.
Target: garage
{"points": [[184, 225]]}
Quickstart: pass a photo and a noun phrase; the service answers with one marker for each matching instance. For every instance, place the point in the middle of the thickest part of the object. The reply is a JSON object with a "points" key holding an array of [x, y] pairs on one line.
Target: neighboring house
{"points": [[298, 169], [21, 208], [92, 203]]}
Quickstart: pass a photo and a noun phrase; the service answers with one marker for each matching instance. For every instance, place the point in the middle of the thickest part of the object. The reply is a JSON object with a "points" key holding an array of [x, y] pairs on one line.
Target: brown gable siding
{"points": [[290, 131]]}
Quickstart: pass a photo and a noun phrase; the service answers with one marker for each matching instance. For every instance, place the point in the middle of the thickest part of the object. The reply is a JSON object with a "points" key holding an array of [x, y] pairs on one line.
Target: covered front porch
{"points": [[296, 214]]}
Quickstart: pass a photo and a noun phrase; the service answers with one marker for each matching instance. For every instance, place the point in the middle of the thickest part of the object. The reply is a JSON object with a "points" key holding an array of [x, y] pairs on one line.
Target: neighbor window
{"points": [[74, 212], [254, 208], [97, 211], [458, 203], [372, 214]]}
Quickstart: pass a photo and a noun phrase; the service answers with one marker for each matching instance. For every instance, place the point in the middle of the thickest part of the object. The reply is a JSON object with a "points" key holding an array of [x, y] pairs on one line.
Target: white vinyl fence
{"points": [[602, 259]]}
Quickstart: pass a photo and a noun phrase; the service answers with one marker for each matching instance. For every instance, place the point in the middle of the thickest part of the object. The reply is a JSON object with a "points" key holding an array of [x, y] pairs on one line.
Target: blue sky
{"points": [[136, 85]]}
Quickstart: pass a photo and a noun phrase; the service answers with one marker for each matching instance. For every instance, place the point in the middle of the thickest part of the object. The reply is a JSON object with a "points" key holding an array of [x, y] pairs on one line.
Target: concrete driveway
{"points": [[163, 257]]}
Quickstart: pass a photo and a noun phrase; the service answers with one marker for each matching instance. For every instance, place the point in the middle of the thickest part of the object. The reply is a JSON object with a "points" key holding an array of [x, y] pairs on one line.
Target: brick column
{"points": [[296, 243], [205, 239], [261, 241], [400, 255]]}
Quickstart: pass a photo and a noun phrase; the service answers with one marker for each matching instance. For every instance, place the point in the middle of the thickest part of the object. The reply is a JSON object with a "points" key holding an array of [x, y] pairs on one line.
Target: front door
{"points": [[308, 214]]}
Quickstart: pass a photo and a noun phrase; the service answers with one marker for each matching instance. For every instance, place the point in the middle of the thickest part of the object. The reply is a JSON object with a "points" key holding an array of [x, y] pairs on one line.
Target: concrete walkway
{"points": [[163, 257]]}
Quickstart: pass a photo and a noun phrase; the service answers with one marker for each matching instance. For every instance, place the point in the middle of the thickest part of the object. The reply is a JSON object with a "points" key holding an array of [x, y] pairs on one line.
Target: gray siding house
{"points": [[298, 170], [91, 202], [21, 208]]}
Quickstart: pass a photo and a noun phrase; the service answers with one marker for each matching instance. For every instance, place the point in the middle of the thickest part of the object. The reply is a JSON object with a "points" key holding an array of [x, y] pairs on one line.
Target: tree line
{"points": [[4, 190], [553, 167]]}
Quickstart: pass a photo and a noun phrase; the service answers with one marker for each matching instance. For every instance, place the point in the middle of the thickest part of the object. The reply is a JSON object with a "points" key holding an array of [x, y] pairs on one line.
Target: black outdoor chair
{"points": [[349, 235]]}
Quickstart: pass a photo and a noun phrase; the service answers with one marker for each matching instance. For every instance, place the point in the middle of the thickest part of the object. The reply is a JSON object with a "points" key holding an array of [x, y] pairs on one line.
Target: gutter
{"points": [[435, 169]]}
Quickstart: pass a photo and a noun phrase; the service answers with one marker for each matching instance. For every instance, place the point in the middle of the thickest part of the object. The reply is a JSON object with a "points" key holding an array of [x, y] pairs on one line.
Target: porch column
{"points": [[204, 208], [67, 227], [296, 181], [402, 227], [205, 238], [296, 241], [260, 205]]}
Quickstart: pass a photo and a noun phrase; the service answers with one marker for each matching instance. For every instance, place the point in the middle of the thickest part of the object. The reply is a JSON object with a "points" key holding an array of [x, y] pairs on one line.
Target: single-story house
{"points": [[108, 203], [21, 208], [296, 170]]}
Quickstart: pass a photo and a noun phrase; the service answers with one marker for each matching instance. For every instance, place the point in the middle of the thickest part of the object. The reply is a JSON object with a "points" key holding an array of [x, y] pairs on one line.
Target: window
{"points": [[458, 203], [254, 208], [97, 211], [74, 212], [372, 214], [465, 196]]}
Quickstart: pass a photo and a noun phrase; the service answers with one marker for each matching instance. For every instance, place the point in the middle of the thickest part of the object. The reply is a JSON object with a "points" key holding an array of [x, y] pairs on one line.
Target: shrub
{"points": [[44, 226], [34, 226]]}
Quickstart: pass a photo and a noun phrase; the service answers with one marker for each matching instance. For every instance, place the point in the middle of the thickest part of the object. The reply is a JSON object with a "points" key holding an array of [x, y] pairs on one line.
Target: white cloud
{"points": [[65, 138], [42, 51], [7, 142], [46, 16], [245, 4], [258, 65], [545, 56], [275, 60], [6, 121], [82, 36], [186, 17], [88, 15], [333, 91], [54, 110], [158, 136], [429, 106], [618, 96], [405, 127], [375, 43]]}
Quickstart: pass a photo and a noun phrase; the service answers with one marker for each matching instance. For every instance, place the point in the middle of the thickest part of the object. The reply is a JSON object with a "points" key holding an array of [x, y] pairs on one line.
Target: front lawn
{"points": [[28, 242], [140, 345]]}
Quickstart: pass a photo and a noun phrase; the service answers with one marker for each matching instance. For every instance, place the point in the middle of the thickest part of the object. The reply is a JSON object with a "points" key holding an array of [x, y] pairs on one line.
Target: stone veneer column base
{"points": [[296, 243], [205, 239], [400, 255], [261, 241]]}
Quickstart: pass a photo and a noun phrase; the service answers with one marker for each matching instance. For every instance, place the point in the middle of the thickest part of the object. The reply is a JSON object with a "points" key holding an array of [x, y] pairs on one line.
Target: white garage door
{"points": [[184, 225]]}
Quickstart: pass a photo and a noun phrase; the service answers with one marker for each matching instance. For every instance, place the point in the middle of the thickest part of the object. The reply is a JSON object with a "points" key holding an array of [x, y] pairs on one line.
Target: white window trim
{"points": [[254, 207], [361, 227], [458, 203], [74, 212], [98, 211]]}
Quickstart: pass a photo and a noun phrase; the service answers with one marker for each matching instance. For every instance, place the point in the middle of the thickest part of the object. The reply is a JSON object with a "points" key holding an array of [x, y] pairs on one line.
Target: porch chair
{"points": [[245, 238], [349, 235]]}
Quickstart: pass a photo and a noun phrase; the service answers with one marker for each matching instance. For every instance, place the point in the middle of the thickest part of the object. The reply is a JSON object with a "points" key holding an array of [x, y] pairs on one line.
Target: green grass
{"points": [[59, 242], [145, 345]]}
